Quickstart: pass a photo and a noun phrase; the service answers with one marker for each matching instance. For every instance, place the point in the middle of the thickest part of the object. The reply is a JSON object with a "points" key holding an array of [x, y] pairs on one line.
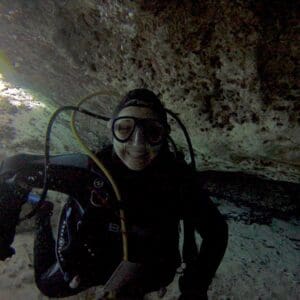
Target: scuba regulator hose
{"points": [[47, 154], [105, 171], [89, 153], [187, 137], [78, 108]]}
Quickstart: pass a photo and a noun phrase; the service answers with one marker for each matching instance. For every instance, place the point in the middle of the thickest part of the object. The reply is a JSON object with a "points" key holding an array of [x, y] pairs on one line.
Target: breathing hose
{"points": [[104, 170], [116, 190], [89, 153], [107, 173], [187, 137], [47, 154]]}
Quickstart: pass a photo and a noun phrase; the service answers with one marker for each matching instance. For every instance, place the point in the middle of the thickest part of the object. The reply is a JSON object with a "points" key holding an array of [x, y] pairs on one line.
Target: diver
{"points": [[158, 188]]}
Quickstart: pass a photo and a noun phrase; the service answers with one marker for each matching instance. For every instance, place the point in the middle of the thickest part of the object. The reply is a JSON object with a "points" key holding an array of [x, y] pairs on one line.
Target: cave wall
{"points": [[227, 67]]}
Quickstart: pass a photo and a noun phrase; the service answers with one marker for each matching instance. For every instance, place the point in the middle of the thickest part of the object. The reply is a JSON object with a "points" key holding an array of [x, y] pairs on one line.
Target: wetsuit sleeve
{"points": [[12, 197], [211, 225]]}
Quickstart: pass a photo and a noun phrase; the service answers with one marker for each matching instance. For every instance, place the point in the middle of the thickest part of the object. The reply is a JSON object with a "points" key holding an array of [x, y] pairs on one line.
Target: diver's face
{"points": [[137, 132]]}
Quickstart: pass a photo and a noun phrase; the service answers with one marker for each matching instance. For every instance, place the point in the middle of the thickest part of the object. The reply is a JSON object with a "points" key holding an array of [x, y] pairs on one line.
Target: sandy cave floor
{"points": [[261, 262]]}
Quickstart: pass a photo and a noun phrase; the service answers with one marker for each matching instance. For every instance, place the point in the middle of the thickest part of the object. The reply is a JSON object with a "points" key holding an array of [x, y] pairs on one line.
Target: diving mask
{"points": [[153, 130]]}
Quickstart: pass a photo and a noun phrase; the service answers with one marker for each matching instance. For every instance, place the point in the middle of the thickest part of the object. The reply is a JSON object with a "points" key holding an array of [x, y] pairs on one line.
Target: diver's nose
{"points": [[138, 137]]}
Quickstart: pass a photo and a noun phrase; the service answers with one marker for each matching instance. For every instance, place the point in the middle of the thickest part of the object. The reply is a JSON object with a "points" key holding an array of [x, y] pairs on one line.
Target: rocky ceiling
{"points": [[227, 67]]}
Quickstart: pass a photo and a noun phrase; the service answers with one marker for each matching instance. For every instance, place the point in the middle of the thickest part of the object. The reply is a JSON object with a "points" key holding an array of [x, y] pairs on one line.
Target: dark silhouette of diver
{"points": [[158, 190]]}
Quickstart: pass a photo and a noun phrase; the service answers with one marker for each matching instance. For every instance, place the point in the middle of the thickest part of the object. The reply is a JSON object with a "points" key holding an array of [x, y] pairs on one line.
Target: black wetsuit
{"points": [[154, 201]]}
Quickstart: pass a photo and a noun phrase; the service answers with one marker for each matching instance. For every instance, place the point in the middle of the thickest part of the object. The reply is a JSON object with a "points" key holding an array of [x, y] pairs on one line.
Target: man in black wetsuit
{"points": [[158, 191]]}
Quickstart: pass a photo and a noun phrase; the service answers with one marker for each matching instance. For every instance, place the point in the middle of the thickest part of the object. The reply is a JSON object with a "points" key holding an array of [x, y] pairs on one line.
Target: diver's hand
{"points": [[74, 283]]}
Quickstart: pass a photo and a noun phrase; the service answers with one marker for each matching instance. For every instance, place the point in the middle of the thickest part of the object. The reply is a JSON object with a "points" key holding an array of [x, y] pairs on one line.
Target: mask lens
{"points": [[123, 128], [154, 131]]}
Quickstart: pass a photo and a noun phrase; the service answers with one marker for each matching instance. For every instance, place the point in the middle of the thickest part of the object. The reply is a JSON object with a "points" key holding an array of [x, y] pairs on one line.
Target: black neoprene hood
{"points": [[142, 98]]}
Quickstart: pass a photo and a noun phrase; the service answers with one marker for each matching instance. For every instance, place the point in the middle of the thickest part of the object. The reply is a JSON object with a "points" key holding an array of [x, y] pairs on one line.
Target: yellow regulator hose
{"points": [[104, 170]]}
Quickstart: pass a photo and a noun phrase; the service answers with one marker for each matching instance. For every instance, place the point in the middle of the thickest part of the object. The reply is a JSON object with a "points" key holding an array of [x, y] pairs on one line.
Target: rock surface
{"points": [[228, 68]]}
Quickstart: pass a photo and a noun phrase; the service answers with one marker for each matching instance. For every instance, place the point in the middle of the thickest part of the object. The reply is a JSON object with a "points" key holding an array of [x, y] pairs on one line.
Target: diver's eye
{"points": [[123, 128], [155, 131]]}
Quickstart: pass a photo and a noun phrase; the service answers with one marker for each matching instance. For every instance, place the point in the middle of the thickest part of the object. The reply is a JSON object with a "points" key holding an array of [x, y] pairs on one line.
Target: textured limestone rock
{"points": [[227, 67]]}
